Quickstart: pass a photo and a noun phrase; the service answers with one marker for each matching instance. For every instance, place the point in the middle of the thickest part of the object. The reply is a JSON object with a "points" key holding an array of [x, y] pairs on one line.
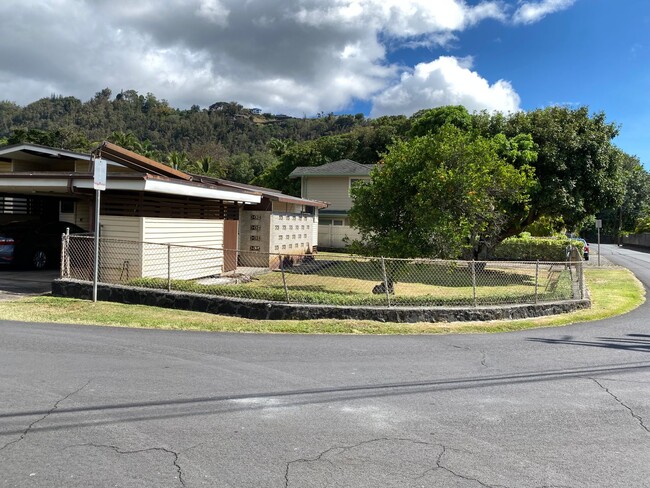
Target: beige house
{"points": [[331, 183], [144, 201]]}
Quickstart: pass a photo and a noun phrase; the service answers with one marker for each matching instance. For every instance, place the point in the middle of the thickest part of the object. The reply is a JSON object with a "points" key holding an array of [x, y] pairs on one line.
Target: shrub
{"points": [[534, 249]]}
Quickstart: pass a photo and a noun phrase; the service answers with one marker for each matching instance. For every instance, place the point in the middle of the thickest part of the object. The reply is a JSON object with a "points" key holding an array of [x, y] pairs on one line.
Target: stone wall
{"points": [[262, 310], [640, 240]]}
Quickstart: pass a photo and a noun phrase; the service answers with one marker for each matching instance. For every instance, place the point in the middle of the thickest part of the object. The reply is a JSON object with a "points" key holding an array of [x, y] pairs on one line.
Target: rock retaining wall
{"points": [[262, 310]]}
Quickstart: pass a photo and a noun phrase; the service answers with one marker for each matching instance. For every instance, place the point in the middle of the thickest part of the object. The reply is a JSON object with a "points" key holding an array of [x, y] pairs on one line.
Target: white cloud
{"points": [[531, 12], [445, 81], [289, 56]]}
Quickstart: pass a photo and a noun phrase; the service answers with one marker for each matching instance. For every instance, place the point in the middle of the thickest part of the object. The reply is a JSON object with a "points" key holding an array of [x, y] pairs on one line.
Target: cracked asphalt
{"points": [[561, 407]]}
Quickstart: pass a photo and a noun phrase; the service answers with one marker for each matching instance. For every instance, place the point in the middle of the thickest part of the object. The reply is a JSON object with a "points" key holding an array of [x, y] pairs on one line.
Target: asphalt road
{"points": [[98, 406]]}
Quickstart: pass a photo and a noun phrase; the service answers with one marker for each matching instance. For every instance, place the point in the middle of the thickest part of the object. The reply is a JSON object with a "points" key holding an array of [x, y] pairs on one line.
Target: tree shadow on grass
{"points": [[447, 274]]}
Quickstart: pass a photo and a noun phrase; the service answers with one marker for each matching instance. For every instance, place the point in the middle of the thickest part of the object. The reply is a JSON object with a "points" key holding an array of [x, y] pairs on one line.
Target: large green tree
{"points": [[578, 169], [439, 193], [579, 172], [635, 204]]}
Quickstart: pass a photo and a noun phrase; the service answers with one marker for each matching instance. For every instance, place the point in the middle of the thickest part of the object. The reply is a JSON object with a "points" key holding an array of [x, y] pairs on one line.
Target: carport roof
{"points": [[151, 176], [68, 183], [41, 151]]}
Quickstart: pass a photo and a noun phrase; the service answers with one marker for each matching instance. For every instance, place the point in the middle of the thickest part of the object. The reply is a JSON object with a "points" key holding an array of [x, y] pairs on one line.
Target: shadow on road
{"points": [[630, 342]]}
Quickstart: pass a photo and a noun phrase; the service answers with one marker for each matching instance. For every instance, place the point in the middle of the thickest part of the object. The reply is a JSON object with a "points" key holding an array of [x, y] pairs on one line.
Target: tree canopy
{"points": [[437, 193]]}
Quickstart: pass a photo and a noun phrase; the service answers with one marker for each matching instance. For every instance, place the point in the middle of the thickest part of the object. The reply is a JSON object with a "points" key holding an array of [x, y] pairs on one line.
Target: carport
{"points": [[144, 200]]}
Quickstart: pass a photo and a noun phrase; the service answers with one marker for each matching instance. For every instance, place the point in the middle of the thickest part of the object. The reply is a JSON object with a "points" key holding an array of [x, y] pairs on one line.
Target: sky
{"points": [[304, 57]]}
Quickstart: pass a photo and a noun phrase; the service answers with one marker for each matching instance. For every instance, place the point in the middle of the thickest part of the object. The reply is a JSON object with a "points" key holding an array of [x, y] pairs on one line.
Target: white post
{"points": [[99, 184], [96, 267]]}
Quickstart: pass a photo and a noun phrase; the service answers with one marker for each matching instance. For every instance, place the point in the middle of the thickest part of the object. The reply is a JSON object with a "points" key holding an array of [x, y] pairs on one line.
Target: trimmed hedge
{"points": [[534, 249]]}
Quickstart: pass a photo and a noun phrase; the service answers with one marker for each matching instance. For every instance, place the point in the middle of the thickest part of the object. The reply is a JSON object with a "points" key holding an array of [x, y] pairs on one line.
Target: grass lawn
{"points": [[613, 292], [433, 283]]}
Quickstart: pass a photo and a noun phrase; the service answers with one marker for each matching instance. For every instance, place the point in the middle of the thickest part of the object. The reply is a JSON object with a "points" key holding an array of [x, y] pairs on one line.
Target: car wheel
{"points": [[39, 259]]}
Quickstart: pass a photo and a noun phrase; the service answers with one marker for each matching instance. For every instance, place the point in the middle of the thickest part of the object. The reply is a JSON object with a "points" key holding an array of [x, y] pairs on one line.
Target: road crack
{"points": [[47, 414], [438, 463], [344, 449], [637, 417], [120, 451]]}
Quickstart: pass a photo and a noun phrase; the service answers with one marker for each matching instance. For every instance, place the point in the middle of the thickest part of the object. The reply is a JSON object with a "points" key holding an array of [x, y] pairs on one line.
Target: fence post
{"points": [[536, 280], [169, 267], [383, 269], [581, 279], [65, 250], [284, 278], [474, 282]]}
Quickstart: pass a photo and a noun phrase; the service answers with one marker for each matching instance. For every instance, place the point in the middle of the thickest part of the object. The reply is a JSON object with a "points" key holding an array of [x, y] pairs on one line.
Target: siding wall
{"points": [[332, 189], [120, 261], [82, 215], [186, 262], [146, 255]]}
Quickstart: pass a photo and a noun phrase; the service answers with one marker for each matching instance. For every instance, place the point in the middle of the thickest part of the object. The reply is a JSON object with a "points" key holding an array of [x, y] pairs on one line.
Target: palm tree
{"points": [[127, 140], [177, 160]]}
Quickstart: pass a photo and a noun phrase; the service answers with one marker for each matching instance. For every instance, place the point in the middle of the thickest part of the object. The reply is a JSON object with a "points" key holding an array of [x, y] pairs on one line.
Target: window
{"points": [[67, 206], [325, 222], [337, 222]]}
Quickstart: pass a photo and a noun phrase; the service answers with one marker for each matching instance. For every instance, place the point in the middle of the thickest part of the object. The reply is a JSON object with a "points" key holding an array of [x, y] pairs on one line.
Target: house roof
{"points": [[265, 192], [39, 151], [151, 176], [344, 167], [138, 162]]}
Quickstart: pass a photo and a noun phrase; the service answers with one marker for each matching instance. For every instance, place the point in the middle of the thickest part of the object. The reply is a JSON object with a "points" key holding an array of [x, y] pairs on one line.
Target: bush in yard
{"points": [[528, 248]]}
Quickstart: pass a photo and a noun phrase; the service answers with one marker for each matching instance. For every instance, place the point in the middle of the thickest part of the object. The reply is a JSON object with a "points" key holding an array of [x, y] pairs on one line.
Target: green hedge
{"points": [[534, 249]]}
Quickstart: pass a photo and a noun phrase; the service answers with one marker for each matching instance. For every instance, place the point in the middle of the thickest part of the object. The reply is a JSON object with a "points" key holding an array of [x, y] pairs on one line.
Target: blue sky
{"points": [[594, 53], [303, 57]]}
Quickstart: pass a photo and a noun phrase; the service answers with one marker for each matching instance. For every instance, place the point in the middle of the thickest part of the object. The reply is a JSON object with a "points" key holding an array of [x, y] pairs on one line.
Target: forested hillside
{"points": [[224, 139]]}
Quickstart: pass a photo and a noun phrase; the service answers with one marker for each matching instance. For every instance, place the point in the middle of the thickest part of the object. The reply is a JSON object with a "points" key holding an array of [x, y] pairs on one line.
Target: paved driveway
{"points": [[16, 283], [100, 406]]}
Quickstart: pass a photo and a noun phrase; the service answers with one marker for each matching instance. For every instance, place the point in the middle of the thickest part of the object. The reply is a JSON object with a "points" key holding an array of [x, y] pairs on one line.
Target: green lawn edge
{"points": [[614, 291]]}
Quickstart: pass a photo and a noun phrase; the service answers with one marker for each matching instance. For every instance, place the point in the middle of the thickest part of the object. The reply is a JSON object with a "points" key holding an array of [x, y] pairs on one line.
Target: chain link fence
{"points": [[324, 278]]}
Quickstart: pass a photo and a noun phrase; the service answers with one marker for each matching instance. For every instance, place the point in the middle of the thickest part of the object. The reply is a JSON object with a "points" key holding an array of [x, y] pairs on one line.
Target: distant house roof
{"points": [[344, 167], [265, 192]]}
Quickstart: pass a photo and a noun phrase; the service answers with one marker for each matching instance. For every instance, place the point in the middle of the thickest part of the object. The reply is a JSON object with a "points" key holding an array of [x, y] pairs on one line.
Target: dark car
{"points": [[585, 251], [33, 244]]}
